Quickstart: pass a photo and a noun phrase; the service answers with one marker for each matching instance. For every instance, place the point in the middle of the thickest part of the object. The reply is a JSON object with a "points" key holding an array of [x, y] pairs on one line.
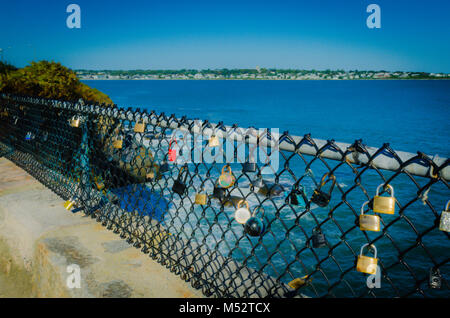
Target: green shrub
{"points": [[48, 80]]}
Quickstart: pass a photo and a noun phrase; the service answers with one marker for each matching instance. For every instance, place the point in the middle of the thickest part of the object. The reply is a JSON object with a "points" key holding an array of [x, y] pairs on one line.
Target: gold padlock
{"points": [[117, 144], [368, 222], [384, 205], [69, 204], [75, 122], [201, 198], [444, 225], [367, 264], [139, 127], [213, 141], [299, 282]]}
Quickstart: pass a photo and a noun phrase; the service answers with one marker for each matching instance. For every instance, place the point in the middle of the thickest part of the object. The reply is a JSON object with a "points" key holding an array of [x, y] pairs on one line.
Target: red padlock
{"points": [[172, 152]]}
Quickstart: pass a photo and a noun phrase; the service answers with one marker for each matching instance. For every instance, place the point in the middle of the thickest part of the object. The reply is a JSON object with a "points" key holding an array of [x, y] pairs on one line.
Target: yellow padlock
{"points": [[139, 127], [213, 141], [75, 122], [69, 204], [299, 282], [444, 225], [367, 264], [384, 205], [201, 198], [117, 144], [368, 222]]}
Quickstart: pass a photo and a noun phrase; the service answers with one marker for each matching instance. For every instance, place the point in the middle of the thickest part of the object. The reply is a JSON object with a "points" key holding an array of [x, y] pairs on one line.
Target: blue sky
{"points": [[319, 34]]}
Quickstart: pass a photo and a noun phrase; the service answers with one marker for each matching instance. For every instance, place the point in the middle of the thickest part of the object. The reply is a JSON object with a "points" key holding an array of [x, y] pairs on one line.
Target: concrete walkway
{"points": [[39, 239]]}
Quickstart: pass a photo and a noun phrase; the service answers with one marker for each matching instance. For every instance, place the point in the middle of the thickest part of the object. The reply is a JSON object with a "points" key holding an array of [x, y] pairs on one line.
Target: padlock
{"points": [[241, 215], [117, 144], [249, 167], [299, 282], [28, 136], [69, 204], [150, 175], [172, 152], [179, 185], [201, 198], [367, 264], [139, 127], [320, 197], [219, 192], [254, 226], [164, 167], [368, 222], [213, 141], [258, 182], [75, 122], [384, 205], [292, 197], [444, 224], [318, 238], [226, 180], [435, 281]]}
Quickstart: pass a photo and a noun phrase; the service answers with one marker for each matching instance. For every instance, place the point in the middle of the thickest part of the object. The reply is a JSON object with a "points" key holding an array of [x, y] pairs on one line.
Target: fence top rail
{"points": [[384, 158]]}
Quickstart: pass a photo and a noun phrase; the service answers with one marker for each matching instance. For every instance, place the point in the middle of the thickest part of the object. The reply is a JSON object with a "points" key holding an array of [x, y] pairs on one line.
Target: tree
{"points": [[49, 80]]}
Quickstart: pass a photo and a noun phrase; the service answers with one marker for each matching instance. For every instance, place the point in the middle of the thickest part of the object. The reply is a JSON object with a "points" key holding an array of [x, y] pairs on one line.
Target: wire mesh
{"points": [[210, 207]]}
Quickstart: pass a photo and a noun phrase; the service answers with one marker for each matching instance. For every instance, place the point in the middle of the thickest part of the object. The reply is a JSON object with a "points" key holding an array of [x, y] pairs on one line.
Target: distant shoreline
{"points": [[264, 79]]}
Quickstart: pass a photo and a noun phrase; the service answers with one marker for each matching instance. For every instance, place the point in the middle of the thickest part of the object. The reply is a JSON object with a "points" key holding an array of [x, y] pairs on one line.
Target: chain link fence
{"points": [[243, 212]]}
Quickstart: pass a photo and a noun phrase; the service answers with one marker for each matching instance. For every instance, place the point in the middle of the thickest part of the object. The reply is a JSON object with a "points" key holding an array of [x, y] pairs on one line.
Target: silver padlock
{"points": [[444, 225]]}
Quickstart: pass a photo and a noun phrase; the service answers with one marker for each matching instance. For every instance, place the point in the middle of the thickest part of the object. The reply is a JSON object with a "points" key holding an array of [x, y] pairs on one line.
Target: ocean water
{"points": [[410, 115]]}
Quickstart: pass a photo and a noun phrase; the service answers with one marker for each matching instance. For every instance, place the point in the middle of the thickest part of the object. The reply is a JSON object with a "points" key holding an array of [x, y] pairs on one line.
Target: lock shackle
{"points": [[447, 205], [317, 230], [370, 246], [257, 209], [389, 186], [330, 177], [170, 143], [323, 182], [362, 207], [240, 203], [229, 169], [181, 172]]}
